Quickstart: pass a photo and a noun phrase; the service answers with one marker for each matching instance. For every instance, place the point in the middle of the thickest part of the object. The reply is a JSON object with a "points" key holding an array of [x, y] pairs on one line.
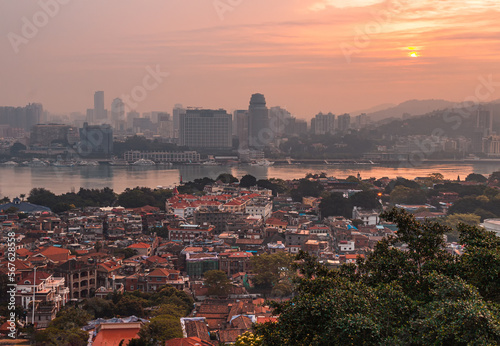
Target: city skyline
{"points": [[306, 56]]}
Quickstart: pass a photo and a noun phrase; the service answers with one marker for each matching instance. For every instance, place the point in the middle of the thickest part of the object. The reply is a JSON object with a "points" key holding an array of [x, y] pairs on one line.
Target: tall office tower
{"points": [[34, 113], [176, 112], [344, 122], [96, 141], [241, 118], [100, 114], [165, 125], [90, 116], [235, 120], [484, 121], [205, 128], [118, 114], [483, 129], [260, 134], [130, 118], [323, 124], [362, 121], [278, 120]]}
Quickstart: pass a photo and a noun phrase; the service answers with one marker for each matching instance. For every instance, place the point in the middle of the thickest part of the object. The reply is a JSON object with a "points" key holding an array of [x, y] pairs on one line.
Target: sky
{"points": [[304, 55]]}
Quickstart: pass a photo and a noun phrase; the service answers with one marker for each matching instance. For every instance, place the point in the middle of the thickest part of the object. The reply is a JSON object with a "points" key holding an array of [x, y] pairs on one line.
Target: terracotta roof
{"points": [[139, 246], [193, 341], [55, 254], [113, 337], [230, 335], [197, 329]]}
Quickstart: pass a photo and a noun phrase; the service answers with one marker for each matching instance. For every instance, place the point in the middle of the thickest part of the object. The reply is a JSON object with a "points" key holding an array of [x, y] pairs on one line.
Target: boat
{"points": [[262, 163], [144, 162], [63, 164], [10, 164], [87, 163], [35, 163], [210, 163]]}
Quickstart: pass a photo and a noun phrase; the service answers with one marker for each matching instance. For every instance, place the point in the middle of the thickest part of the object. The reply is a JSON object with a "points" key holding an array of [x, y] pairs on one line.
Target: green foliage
{"points": [[306, 188], [479, 178], [226, 178], [99, 308], [142, 196], [419, 296], [273, 272], [126, 252], [334, 204], [406, 195], [83, 198], [248, 339], [65, 329], [217, 282], [160, 329], [248, 181]]}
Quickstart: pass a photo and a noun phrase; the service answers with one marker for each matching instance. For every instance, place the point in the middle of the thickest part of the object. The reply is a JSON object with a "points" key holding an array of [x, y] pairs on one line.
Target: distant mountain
{"points": [[412, 107], [373, 109]]}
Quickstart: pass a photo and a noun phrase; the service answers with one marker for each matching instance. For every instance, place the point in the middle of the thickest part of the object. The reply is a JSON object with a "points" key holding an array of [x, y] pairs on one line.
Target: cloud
{"points": [[322, 5]]}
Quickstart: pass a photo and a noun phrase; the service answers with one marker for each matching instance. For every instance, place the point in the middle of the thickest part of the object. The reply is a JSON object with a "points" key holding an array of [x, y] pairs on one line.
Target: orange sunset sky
{"points": [[218, 53]]}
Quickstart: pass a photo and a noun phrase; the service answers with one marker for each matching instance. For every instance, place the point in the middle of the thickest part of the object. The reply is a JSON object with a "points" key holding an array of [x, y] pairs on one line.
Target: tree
{"points": [[273, 272], [248, 339], [227, 178], [43, 197], [421, 295], [248, 181], [65, 329], [436, 177], [479, 178], [406, 195], [306, 188], [217, 282], [335, 204], [16, 148], [99, 308], [160, 329], [366, 200]]}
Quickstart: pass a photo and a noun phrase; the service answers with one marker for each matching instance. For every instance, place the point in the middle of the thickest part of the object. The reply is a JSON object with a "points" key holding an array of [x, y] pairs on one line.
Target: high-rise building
{"points": [[205, 128], [323, 124], [118, 114], [130, 118], [278, 120], [241, 119], [165, 125], [176, 112], [344, 122], [100, 113], [96, 141], [260, 134], [21, 117]]}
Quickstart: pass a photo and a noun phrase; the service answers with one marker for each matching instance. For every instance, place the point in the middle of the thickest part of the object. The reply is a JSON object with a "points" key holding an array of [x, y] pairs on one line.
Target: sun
{"points": [[414, 54]]}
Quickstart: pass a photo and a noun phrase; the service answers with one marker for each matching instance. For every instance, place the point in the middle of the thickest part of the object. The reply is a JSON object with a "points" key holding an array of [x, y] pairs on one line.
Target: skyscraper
{"points": [[323, 124], [96, 141], [344, 122], [118, 114], [241, 119], [205, 128], [176, 112], [260, 134], [100, 113]]}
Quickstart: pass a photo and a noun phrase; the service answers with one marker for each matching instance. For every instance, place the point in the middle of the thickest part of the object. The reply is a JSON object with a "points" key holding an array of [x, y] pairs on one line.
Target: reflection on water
{"points": [[18, 180]]}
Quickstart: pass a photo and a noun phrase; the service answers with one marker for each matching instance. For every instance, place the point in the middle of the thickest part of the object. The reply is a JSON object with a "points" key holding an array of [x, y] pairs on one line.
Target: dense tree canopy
{"points": [[419, 296], [217, 282]]}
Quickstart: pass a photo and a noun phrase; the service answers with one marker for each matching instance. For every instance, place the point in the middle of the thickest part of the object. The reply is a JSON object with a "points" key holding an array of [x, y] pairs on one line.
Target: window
{"points": [[131, 288]]}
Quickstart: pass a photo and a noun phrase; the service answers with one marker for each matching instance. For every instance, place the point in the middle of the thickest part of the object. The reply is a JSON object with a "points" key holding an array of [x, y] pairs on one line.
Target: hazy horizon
{"points": [[306, 56]]}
